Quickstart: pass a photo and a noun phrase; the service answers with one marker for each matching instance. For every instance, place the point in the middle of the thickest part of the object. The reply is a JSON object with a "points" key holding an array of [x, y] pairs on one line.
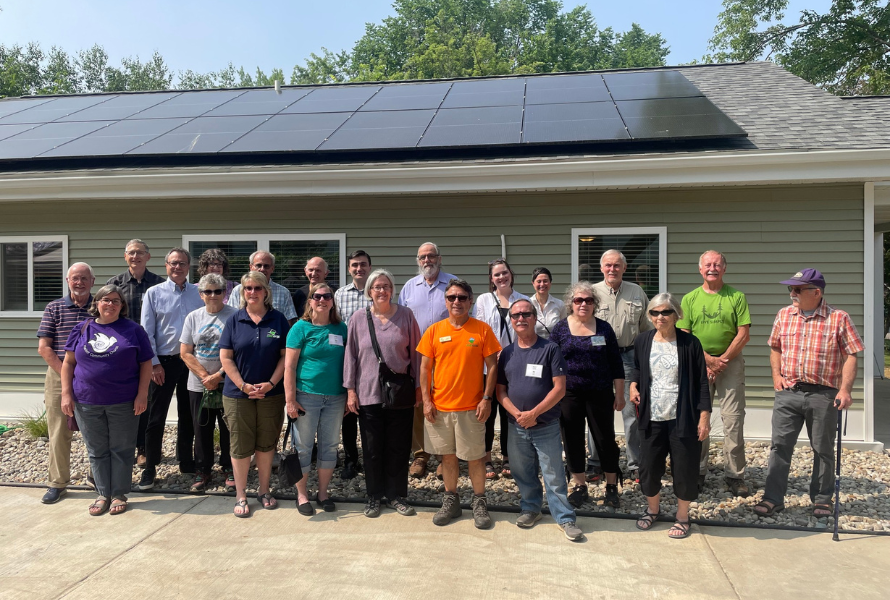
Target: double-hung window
{"points": [[32, 273]]}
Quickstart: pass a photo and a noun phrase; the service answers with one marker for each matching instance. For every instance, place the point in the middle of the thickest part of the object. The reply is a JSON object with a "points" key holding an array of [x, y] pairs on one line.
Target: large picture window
{"points": [[645, 249], [32, 273], [291, 253]]}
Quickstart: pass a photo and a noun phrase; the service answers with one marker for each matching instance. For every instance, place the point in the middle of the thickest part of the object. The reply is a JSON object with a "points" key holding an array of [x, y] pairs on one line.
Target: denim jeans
{"points": [[109, 432], [529, 449], [631, 425], [322, 419]]}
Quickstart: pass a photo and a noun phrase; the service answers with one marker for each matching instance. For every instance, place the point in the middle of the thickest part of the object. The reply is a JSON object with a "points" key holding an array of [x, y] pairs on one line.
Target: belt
{"points": [[811, 388], [624, 349]]}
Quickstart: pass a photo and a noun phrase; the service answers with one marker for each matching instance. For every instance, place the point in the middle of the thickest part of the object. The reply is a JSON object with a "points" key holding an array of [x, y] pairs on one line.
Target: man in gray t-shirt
{"points": [[531, 382]]}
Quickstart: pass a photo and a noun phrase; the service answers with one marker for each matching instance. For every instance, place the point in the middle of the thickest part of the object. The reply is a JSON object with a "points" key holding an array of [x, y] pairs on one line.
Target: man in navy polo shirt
{"points": [[531, 382], [59, 318]]}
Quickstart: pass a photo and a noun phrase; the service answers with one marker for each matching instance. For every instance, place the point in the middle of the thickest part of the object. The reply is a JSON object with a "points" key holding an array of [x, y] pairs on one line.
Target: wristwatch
{"points": [[489, 398]]}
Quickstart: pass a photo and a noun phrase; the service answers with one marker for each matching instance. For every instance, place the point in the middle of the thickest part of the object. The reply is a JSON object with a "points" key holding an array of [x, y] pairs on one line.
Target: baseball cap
{"points": [[806, 277]]}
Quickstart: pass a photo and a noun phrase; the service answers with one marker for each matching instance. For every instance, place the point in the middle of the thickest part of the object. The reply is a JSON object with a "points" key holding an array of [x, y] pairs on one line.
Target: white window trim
{"points": [[662, 246], [262, 243], [30, 239]]}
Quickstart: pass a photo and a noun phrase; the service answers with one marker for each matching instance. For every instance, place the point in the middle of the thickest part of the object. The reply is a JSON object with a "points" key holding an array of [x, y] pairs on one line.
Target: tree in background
{"points": [[846, 50]]}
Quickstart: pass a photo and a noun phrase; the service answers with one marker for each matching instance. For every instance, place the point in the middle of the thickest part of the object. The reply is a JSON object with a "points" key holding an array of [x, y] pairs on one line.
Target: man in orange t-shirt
{"points": [[456, 405]]}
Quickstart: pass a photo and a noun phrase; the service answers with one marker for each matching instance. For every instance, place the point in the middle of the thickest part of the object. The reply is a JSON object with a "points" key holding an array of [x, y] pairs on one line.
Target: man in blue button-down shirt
{"points": [[164, 309], [425, 296]]}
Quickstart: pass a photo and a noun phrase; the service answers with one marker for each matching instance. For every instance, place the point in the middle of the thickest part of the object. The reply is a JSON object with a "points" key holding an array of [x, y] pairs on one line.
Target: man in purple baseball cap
{"points": [[813, 350]]}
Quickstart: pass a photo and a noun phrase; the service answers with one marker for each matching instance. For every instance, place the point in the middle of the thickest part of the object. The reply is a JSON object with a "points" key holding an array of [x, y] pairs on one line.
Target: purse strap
{"points": [[504, 325], [290, 423], [377, 346]]}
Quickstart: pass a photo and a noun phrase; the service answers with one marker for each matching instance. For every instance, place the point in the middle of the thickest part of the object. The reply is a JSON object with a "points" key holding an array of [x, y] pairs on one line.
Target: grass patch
{"points": [[216, 438], [35, 424]]}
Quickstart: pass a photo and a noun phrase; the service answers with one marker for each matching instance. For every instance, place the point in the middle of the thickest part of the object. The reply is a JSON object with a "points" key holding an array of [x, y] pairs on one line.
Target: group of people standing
{"points": [[242, 357]]}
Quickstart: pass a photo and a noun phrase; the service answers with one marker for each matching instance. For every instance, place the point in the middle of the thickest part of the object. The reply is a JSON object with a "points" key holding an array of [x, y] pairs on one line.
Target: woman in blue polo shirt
{"points": [[252, 354], [316, 398]]}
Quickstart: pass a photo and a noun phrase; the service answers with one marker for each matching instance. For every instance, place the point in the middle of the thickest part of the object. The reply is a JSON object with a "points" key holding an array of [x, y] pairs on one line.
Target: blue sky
{"points": [[205, 35]]}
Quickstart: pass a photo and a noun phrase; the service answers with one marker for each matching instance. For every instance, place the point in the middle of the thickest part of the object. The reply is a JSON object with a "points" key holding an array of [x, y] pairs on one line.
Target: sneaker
{"points": [[401, 506], [481, 518], [372, 508], [528, 518], [53, 495], [571, 530], [450, 509], [348, 471], [612, 498], [738, 487], [594, 473], [578, 496], [417, 470], [147, 481], [634, 475], [230, 478], [200, 484]]}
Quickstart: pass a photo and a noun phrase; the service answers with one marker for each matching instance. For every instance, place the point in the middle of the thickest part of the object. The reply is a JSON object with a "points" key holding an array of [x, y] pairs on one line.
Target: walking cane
{"points": [[837, 477]]}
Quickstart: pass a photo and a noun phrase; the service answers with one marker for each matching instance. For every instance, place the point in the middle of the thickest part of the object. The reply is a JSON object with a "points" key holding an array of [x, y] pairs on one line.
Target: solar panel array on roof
{"points": [[511, 111]]}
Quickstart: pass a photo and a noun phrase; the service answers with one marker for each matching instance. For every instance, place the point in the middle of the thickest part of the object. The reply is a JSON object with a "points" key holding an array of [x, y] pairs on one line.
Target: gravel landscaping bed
{"points": [[865, 484]]}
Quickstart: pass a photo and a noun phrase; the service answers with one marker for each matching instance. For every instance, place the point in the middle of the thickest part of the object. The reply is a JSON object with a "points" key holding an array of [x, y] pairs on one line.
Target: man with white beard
{"points": [[425, 296]]}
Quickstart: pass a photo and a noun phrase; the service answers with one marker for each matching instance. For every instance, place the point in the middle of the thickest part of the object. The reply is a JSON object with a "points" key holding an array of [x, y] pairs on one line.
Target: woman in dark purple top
{"points": [[594, 390], [105, 380]]}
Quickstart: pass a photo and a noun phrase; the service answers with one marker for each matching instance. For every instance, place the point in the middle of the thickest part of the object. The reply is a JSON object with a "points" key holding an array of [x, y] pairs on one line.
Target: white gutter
{"points": [[588, 173]]}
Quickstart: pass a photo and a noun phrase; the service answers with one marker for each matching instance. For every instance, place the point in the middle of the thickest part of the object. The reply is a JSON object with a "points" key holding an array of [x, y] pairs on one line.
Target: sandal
{"points": [[505, 470], [99, 506], [682, 529], [241, 509], [644, 523], [489, 471], [118, 505], [767, 508], [823, 510], [267, 500]]}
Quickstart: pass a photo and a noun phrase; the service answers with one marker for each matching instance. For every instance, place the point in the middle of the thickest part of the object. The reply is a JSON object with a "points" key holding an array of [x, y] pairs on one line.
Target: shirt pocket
{"points": [[634, 309]]}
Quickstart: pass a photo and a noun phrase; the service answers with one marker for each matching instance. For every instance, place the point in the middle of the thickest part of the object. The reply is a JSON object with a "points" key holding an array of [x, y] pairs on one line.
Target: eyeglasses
{"points": [[663, 313], [797, 289], [136, 252], [212, 292], [381, 288], [114, 301], [521, 315], [457, 297], [427, 256], [580, 301], [249, 288], [325, 296], [262, 266], [178, 264], [215, 265]]}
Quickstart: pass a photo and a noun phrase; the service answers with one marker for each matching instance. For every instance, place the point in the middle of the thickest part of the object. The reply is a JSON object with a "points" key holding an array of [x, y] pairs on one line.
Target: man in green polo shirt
{"points": [[717, 314]]}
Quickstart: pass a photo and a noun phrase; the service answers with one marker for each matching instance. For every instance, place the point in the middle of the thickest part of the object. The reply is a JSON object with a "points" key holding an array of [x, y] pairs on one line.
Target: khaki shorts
{"points": [[458, 433], [254, 425]]}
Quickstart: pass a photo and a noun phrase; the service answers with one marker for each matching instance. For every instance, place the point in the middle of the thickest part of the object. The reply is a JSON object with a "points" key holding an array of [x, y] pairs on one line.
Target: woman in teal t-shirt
{"points": [[314, 392]]}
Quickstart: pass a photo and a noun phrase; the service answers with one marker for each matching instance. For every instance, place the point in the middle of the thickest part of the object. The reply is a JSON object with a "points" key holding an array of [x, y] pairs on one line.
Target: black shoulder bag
{"points": [[396, 389], [289, 470]]}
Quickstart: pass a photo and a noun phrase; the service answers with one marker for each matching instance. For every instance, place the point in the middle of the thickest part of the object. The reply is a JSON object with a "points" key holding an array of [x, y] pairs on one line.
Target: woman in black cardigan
{"points": [[669, 386]]}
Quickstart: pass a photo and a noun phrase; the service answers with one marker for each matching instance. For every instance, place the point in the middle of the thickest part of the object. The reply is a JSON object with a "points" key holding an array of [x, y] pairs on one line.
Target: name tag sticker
{"points": [[444, 338], [534, 371], [597, 340], [335, 340]]}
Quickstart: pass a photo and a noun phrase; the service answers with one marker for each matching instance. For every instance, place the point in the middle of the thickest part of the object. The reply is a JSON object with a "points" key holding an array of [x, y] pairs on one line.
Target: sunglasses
{"points": [[326, 296], [580, 301], [249, 288], [797, 290], [457, 297], [521, 315], [663, 313], [212, 292]]}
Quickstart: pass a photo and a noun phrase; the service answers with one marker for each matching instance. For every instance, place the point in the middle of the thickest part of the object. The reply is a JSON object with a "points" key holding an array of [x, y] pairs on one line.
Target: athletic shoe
{"points": [[147, 481], [200, 484], [53, 495], [372, 508], [571, 530], [528, 518]]}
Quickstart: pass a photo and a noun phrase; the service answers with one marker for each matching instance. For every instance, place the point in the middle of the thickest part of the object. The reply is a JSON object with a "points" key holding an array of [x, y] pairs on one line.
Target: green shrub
{"points": [[35, 424]]}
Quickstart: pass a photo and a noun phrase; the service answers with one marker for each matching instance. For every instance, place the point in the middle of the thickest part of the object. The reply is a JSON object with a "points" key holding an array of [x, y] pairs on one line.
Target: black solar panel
{"points": [[508, 112], [117, 138], [290, 133], [577, 122], [38, 140], [202, 135], [475, 127]]}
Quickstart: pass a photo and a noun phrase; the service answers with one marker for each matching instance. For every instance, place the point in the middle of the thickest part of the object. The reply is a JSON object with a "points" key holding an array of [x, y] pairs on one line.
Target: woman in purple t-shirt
{"points": [[105, 380]]}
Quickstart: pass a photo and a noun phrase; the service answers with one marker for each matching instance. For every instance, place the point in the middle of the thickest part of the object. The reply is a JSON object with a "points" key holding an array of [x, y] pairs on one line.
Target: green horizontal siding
{"points": [[768, 233]]}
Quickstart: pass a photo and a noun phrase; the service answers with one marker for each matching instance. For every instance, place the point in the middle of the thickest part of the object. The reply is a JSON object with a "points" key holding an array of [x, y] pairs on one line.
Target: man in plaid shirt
{"points": [[813, 350]]}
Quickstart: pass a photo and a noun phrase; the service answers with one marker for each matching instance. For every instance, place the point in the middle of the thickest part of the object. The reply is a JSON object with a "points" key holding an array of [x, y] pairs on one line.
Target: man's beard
{"points": [[428, 272]]}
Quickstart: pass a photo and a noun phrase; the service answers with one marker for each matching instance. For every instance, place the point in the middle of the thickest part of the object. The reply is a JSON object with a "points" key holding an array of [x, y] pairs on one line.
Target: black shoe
{"points": [[701, 482], [578, 496], [305, 509], [147, 481], [188, 468], [612, 498], [348, 471], [53, 495], [327, 505]]}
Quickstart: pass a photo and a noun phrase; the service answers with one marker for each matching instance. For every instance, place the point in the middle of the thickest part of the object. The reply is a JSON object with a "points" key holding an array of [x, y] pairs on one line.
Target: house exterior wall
{"points": [[767, 233]]}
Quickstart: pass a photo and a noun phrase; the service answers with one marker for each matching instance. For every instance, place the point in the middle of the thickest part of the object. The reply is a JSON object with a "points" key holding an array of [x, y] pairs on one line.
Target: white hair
{"points": [[262, 252], [665, 298], [79, 264], [374, 276], [613, 251]]}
